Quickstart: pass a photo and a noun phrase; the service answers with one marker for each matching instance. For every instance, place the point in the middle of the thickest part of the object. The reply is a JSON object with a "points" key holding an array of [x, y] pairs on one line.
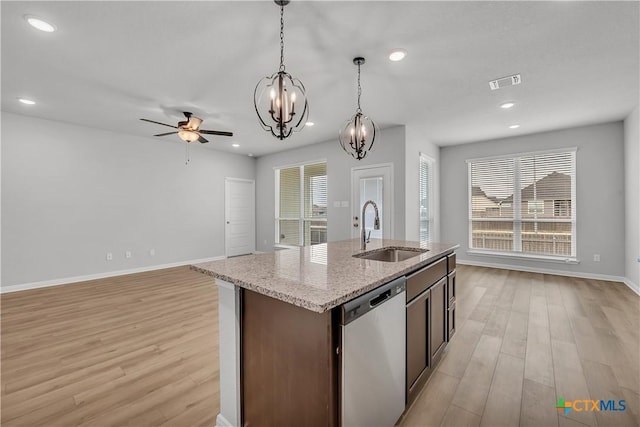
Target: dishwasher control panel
{"points": [[367, 302]]}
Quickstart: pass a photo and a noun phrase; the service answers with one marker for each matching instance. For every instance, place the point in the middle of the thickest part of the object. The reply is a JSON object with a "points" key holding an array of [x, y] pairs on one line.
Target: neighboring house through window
{"points": [[301, 204], [524, 204], [426, 192]]}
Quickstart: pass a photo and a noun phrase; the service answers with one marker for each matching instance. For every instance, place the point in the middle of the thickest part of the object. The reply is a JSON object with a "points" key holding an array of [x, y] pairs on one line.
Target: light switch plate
{"points": [[345, 203]]}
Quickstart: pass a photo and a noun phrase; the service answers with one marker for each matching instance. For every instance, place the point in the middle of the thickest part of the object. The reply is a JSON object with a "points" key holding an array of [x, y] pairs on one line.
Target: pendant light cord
{"points": [[359, 110], [282, 37]]}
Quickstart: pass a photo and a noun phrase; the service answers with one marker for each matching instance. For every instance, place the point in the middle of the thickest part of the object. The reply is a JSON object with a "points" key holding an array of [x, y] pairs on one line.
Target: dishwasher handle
{"points": [[380, 298]]}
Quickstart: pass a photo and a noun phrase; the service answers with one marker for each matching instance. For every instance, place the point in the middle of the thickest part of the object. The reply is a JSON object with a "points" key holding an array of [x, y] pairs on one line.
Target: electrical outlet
{"points": [[109, 256], [127, 254], [152, 252], [596, 257]]}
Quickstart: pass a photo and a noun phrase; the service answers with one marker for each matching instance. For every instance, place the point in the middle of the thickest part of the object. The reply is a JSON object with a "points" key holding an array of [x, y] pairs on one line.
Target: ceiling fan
{"points": [[189, 130]]}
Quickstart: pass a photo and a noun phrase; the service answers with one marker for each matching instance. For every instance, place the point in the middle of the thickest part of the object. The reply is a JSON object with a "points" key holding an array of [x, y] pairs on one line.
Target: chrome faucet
{"points": [[376, 224]]}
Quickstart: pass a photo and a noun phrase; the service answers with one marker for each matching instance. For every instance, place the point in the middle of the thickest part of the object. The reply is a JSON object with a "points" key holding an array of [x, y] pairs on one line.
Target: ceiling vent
{"points": [[505, 81]]}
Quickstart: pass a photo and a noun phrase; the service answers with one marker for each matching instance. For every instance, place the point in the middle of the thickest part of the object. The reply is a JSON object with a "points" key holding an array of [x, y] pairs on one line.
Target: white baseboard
{"points": [[75, 279], [580, 275], [221, 421], [634, 287]]}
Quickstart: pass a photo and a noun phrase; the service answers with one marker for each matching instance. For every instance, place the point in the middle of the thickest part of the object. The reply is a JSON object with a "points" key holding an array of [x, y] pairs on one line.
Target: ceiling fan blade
{"points": [[202, 140], [164, 134], [215, 132], [158, 123]]}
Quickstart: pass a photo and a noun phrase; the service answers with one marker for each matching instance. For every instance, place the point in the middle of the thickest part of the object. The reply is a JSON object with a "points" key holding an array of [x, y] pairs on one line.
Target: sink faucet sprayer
{"points": [[376, 224]]}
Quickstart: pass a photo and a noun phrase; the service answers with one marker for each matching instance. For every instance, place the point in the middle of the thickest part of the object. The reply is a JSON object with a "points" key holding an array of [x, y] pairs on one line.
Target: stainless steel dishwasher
{"points": [[373, 357]]}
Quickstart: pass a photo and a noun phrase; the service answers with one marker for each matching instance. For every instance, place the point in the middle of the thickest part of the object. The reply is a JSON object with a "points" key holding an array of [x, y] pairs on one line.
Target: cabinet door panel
{"points": [[417, 338], [451, 325], [451, 287], [439, 305]]}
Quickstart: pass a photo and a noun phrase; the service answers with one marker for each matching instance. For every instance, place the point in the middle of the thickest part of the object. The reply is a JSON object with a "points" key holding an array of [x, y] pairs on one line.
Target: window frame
{"points": [[518, 218], [302, 218]]}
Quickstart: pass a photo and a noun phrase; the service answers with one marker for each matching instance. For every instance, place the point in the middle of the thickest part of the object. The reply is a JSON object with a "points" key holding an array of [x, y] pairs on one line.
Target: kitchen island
{"points": [[280, 335]]}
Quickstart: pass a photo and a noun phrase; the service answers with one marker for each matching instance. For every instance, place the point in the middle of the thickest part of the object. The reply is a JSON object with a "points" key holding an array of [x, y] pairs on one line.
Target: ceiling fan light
{"points": [[194, 123], [188, 135]]}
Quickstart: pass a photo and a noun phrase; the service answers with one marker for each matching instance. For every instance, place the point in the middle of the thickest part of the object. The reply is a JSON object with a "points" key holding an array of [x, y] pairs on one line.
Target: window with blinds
{"points": [[426, 191], [524, 204], [301, 211]]}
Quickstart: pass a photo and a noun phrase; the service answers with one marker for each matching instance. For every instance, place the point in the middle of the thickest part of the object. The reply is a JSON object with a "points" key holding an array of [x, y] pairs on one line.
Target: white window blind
{"points": [[426, 191], [301, 214], [524, 204]]}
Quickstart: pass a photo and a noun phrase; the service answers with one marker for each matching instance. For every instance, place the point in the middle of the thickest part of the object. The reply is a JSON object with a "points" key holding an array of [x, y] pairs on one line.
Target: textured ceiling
{"points": [[111, 63]]}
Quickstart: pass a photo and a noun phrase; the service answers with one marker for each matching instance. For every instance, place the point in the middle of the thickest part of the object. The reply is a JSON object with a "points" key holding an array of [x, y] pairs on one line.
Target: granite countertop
{"points": [[319, 277]]}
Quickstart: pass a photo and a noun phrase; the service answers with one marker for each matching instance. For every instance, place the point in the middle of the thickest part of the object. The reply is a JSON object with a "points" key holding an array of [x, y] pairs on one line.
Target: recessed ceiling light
{"points": [[235, 145], [514, 126], [507, 105], [26, 101], [309, 124], [41, 25], [397, 55]]}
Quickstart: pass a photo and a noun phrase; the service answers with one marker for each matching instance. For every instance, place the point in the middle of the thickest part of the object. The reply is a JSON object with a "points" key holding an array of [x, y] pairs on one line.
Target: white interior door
{"points": [[239, 216], [373, 183]]}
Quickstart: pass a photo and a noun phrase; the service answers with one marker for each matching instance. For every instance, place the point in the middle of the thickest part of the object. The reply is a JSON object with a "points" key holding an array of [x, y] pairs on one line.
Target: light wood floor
{"points": [[138, 350], [141, 350], [526, 339]]}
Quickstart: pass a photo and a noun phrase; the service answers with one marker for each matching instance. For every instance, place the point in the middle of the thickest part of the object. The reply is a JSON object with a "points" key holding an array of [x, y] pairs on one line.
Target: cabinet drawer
{"points": [[451, 262], [423, 279]]}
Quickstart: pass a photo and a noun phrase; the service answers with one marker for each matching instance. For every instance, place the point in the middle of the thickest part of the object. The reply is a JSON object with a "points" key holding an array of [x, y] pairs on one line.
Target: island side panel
{"points": [[229, 353], [289, 364]]}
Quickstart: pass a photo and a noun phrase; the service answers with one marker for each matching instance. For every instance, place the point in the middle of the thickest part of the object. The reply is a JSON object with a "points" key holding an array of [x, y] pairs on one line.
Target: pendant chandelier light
{"points": [[358, 134], [280, 99]]}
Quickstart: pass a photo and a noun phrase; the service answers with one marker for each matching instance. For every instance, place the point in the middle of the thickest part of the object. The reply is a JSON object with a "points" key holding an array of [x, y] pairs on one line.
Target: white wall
{"points": [[632, 198], [71, 194], [417, 143], [389, 148], [600, 195]]}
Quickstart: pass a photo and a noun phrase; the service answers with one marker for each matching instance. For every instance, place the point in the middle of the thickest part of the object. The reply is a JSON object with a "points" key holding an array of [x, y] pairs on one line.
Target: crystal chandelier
{"points": [[280, 100], [358, 134]]}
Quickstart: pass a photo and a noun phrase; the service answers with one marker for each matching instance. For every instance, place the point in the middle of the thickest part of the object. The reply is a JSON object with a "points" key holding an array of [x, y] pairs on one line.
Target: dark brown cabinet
{"points": [[438, 324], [427, 323], [289, 368], [451, 296], [418, 360]]}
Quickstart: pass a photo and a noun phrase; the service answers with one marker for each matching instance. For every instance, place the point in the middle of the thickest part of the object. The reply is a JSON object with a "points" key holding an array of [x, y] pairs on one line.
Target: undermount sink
{"points": [[391, 254]]}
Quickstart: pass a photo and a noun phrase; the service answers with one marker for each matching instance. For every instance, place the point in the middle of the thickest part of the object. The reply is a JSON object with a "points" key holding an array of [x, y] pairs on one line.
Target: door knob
{"points": [[227, 222]]}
